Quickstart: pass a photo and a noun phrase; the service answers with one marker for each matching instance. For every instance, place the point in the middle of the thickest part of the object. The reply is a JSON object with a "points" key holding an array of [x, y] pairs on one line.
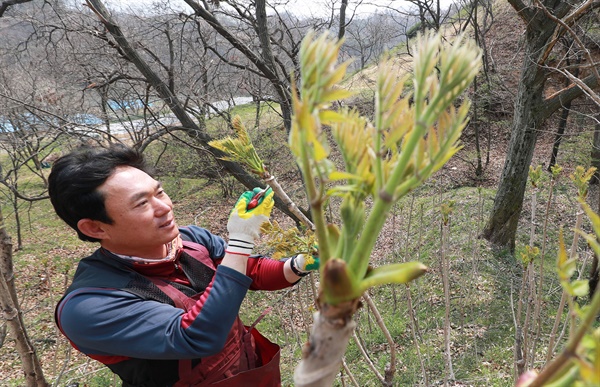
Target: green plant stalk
{"points": [[572, 344], [378, 167], [421, 75], [316, 208], [359, 260], [444, 150], [342, 245], [443, 98], [414, 181], [346, 244], [440, 102], [390, 273], [382, 206]]}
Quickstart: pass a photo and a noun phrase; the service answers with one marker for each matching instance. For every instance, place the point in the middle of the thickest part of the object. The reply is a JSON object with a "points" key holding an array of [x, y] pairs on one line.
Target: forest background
{"points": [[168, 81]]}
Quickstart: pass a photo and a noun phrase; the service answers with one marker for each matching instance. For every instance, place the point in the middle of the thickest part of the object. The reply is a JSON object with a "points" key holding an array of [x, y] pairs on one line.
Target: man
{"points": [[156, 303]]}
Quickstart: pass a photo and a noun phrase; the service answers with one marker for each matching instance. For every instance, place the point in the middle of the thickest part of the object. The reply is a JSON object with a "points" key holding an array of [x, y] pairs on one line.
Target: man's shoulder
{"points": [[98, 271], [193, 233], [213, 243]]}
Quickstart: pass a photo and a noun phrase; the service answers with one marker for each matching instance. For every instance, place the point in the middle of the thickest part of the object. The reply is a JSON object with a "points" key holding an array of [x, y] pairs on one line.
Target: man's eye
{"points": [[141, 203]]}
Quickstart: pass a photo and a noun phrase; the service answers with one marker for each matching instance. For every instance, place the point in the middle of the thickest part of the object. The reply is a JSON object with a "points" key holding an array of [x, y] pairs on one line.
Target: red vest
{"points": [[247, 359]]}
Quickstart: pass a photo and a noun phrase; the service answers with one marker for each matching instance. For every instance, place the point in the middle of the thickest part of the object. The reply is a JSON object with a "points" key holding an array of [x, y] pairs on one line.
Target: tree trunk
{"points": [[322, 355], [32, 369], [502, 224], [560, 131], [269, 62], [564, 116], [342, 30], [280, 85], [531, 110]]}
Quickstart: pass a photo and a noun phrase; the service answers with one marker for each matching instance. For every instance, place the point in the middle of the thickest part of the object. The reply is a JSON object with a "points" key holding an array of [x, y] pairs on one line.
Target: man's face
{"points": [[142, 214]]}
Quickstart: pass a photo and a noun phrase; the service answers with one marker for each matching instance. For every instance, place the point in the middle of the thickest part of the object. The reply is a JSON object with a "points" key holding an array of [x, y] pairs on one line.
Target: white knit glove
{"points": [[244, 222]]}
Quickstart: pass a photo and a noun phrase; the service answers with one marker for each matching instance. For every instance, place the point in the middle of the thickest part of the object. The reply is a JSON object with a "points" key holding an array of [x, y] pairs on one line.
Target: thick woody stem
{"points": [[322, 355]]}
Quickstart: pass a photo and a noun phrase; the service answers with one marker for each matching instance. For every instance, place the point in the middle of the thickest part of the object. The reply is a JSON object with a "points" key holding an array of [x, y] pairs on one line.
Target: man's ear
{"points": [[92, 228]]}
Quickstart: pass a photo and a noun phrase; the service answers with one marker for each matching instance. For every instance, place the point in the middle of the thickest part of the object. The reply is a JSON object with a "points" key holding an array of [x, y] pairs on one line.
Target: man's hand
{"points": [[244, 223], [303, 264]]}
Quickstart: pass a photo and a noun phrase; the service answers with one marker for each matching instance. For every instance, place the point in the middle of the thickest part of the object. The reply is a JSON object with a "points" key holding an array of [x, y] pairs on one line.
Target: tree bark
{"points": [[562, 122], [277, 80], [502, 224], [562, 125], [322, 355], [32, 369], [531, 110], [342, 29]]}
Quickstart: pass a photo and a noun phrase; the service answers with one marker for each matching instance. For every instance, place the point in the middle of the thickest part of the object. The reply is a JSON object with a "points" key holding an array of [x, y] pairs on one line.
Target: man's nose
{"points": [[162, 206]]}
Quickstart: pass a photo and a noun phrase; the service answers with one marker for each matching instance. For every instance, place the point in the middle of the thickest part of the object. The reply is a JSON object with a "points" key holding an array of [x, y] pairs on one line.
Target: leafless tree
{"points": [[477, 16], [9, 303], [32, 369], [367, 38], [547, 22]]}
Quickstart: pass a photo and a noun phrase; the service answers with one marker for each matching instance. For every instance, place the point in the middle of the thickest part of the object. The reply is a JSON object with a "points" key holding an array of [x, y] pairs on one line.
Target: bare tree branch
{"points": [[173, 102], [5, 4], [555, 101]]}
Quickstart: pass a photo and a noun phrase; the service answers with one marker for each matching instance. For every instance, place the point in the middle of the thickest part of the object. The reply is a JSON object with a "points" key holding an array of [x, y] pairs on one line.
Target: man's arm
{"points": [[115, 322]]}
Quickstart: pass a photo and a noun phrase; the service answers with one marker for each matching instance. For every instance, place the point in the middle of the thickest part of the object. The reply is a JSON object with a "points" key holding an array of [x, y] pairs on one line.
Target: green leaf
{"points": [[343, 190], [596, 338], [340, 175], [562, 251], [594, 218], [579, 288], [567, 269], [589, 372], [339, 94], [320, 151], [592, 240], [397, 273], [333, 233], [330, 116]]}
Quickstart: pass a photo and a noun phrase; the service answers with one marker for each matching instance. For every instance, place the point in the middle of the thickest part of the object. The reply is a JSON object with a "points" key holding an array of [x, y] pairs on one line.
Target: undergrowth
{"points": [[484, 285]]}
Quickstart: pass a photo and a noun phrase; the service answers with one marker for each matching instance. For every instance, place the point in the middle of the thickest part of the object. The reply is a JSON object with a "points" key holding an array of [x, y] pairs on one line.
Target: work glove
{"points": [[303, 264], [252, 209]]}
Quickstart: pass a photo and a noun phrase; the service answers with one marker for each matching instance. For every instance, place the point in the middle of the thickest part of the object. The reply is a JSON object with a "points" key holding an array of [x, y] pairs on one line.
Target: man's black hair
{"points": [[74, 180]]}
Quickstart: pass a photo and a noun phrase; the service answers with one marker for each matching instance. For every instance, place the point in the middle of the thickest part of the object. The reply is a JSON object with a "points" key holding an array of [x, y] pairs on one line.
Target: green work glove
{"points": [[244, 223], [303, 264]]}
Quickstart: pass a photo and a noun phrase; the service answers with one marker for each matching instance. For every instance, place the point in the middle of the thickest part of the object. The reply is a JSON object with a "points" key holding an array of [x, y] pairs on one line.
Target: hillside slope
{"points": [[484, 283]]}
